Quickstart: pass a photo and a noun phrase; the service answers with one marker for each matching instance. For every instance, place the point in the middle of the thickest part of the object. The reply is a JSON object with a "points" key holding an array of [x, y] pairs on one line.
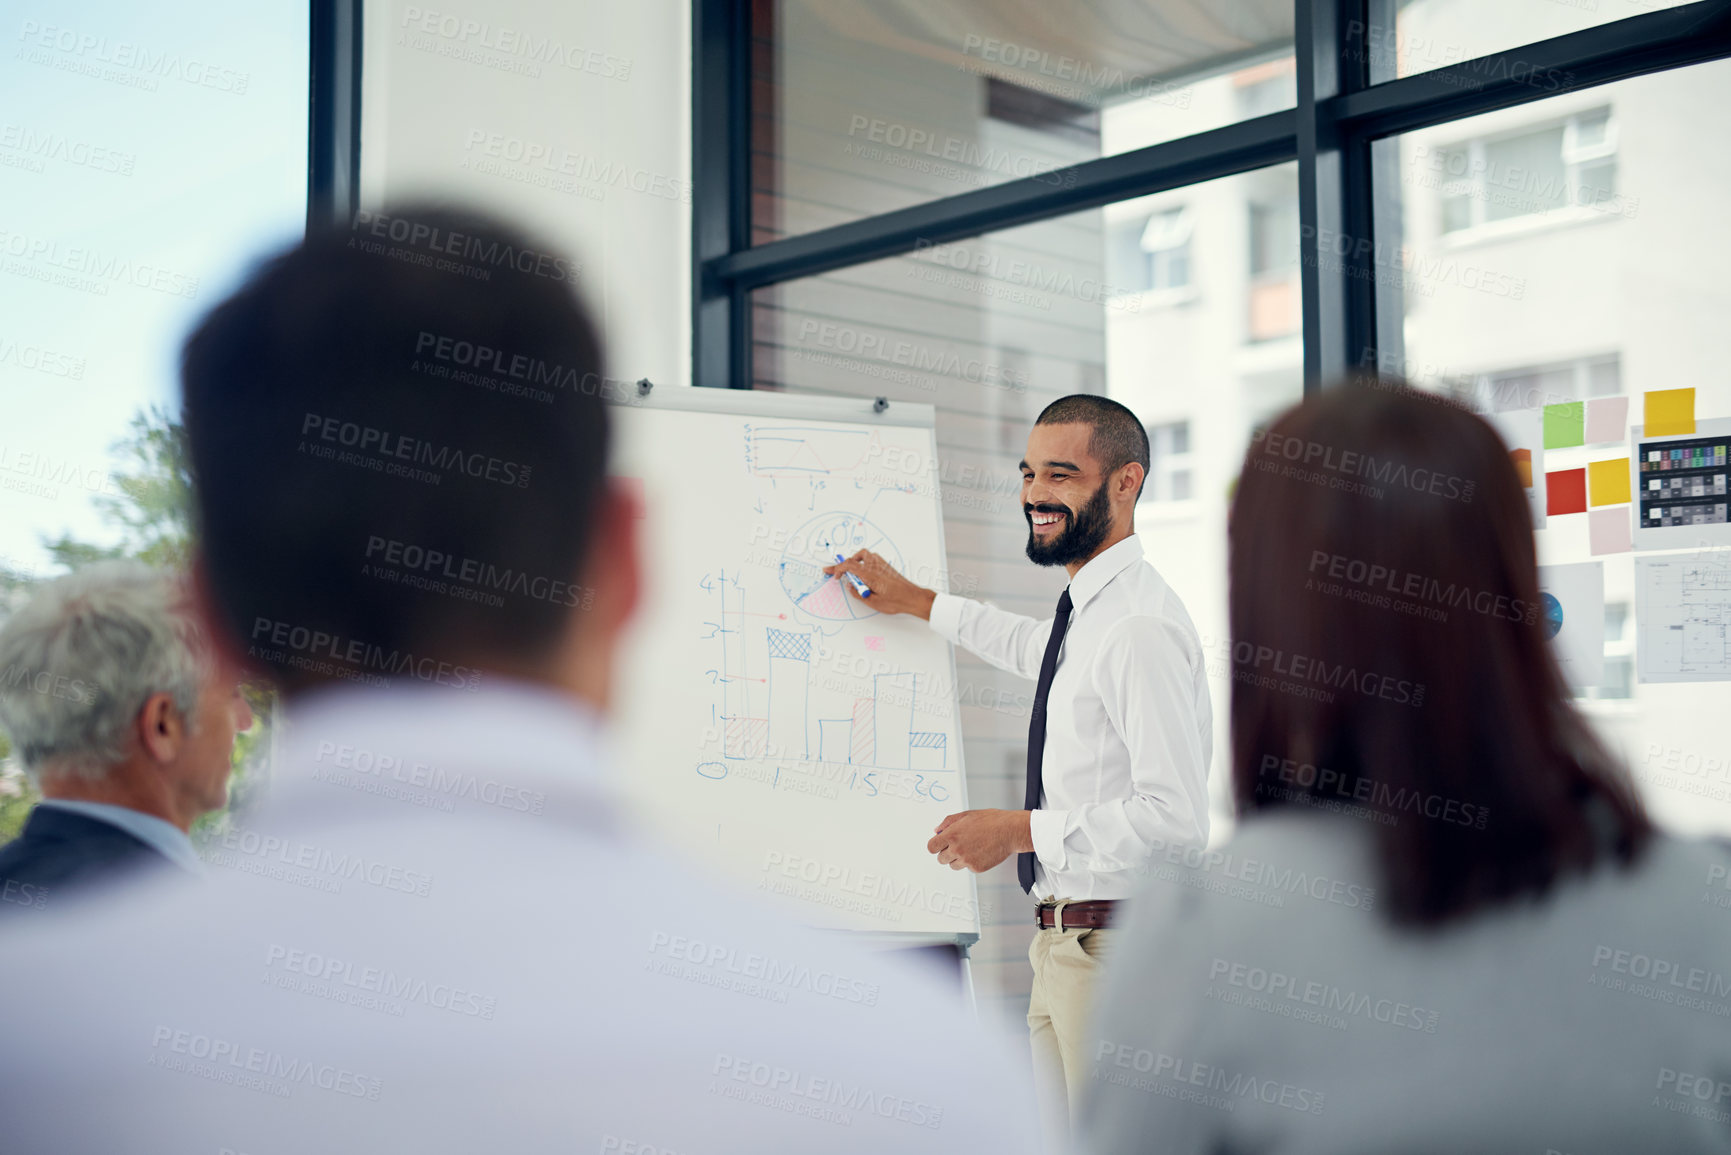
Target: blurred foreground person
{"points": [[1445, 923], [437, 936], [125, 723]]}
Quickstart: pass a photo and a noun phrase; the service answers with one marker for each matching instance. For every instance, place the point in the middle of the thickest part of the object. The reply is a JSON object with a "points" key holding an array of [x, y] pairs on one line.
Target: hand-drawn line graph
{"points": [[805, 451], [772, 715], [815, 545]]}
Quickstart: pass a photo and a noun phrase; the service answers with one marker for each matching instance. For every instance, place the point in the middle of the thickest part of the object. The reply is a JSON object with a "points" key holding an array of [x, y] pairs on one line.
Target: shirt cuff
{"points": [[947, 616], [1047, 827]]}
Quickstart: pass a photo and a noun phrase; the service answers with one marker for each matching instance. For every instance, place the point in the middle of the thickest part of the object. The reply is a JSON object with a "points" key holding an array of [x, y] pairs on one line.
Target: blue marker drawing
{"points": [[859, 587]]}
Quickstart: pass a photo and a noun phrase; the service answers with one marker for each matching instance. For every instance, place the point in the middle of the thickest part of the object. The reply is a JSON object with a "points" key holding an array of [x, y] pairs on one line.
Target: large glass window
{"points": [[1524, 257], [990, 330], [149, 154], [1549, 277], [1431, 34], [865, 106]]}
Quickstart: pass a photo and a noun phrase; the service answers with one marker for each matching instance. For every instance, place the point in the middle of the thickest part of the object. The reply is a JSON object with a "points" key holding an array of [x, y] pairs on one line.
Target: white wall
{"points": [[572, 120]]}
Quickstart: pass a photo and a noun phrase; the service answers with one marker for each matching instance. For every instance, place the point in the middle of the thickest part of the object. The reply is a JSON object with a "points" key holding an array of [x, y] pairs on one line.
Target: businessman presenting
{"points": [[1120, 734]]}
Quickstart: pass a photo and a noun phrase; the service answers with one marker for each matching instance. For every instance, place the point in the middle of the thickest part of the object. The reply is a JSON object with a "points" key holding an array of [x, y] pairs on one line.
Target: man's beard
{"points": [[1079, 539]]}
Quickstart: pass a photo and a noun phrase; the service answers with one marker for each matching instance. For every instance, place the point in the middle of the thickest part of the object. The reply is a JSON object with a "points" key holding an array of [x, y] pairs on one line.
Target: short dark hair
{"points": [[396, 431], [1118, 437], [1448, 691]]}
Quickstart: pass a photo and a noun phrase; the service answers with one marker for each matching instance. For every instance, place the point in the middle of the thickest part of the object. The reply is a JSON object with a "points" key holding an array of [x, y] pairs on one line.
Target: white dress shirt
{"points": [[1129, 728], [438, 935]]}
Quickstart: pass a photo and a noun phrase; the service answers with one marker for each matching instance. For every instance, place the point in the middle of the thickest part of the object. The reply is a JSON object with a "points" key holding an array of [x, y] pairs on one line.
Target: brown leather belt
{"points": [[1095, 914]]}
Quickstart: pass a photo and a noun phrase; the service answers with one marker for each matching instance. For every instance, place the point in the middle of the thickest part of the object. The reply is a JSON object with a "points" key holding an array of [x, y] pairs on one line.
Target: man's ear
{"points": [[159, 727], [614, 567], [1128, 483]]}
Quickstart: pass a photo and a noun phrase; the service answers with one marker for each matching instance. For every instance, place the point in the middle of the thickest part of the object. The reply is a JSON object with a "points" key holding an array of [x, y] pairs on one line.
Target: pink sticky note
{"points": [[1607, 419], [1608, 530]]}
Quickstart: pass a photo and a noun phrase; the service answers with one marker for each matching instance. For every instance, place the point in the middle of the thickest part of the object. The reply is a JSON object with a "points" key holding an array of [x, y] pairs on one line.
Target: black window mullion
{"points": [[1338, 256], [721, 206], [334, 112], [1650, 42], [1240, 147]]}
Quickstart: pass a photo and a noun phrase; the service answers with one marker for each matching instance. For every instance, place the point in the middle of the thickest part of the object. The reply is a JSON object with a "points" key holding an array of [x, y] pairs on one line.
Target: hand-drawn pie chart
{"points": [[813, 546]]}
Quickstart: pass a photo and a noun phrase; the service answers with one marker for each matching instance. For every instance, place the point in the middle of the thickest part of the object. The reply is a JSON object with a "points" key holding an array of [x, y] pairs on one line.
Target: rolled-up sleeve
{"points": [[1146, 676]]}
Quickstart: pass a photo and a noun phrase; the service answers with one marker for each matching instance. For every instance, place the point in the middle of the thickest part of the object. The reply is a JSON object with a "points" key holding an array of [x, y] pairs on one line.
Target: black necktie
{"points": [[1037, 729]]}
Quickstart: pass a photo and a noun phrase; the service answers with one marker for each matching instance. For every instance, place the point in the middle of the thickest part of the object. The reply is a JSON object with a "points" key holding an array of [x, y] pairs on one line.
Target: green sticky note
{"points": [[1565, 425]]}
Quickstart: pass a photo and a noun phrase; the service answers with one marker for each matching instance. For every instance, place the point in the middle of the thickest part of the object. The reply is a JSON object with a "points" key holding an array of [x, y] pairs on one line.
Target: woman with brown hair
{"points": [[1445, 922]]}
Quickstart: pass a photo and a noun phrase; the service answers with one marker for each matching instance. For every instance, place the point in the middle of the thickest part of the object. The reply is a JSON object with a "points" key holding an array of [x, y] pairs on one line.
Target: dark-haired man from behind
{"points": [[1121, 730], [442, 933]]}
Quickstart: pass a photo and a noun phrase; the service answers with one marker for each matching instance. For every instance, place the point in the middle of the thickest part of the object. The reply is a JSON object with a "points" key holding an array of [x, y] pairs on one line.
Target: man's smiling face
{"points": [[1064, 495]]}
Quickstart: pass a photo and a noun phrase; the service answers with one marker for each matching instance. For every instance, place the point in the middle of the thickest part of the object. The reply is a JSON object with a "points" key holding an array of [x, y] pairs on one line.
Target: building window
{"points": [[1166, 240], [1151, 252], [1530, 173], [1618, 682], [1274, 293], [1273, 237], [1529, 388], [1169, 462]]}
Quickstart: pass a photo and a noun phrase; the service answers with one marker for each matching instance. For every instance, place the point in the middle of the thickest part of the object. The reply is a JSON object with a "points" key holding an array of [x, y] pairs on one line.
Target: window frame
{"points": [[1349, 100], [333, 112]]}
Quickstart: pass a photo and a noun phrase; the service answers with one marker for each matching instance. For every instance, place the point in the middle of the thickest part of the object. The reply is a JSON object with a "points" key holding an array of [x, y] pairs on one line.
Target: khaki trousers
{"points": [[1066, 965]]}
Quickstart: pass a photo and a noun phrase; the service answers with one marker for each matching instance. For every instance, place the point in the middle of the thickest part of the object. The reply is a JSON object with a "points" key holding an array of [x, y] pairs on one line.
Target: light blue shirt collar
{"points": [[163, 837]]}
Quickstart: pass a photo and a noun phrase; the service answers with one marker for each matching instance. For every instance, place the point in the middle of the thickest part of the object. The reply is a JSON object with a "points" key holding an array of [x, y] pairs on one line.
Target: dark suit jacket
{"points": [[60, 853]]}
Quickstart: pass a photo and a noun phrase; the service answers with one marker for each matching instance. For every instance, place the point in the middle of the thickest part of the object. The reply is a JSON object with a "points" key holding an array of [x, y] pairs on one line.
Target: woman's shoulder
{"points": [[1293, 865], [1271, 869]]}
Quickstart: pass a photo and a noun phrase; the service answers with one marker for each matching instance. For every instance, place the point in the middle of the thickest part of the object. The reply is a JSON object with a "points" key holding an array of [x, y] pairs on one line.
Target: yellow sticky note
{"points": [[1669, 412], [1608, 482]]}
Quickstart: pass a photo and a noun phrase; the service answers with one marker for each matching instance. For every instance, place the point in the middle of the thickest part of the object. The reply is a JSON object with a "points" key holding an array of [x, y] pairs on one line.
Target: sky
{"points": [[149, 156]]}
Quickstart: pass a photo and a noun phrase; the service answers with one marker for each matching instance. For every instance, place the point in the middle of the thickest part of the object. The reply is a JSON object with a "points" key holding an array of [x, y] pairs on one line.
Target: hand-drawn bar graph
{"points": [[772, 714], [789, 691], [881, 731]]}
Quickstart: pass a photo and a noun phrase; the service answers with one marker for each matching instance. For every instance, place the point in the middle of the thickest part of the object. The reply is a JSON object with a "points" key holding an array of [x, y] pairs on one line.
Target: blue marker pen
{"points": [[859, 587]]}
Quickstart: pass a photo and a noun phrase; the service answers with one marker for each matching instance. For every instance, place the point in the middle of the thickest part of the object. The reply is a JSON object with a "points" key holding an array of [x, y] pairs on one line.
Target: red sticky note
{"points": [[1566, 491]]}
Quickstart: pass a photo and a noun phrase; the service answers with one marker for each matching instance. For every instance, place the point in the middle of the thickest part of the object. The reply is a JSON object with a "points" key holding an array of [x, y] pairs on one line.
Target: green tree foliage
{"points": [[151, 515], [153, 509]]}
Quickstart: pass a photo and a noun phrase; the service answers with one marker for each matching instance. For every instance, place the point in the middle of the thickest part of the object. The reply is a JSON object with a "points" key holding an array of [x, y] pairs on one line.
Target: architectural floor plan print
{"points": [[1683, 609]]}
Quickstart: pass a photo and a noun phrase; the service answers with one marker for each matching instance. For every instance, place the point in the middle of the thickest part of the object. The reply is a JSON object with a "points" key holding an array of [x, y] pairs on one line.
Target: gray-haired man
{"points": [[124, 719]]}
